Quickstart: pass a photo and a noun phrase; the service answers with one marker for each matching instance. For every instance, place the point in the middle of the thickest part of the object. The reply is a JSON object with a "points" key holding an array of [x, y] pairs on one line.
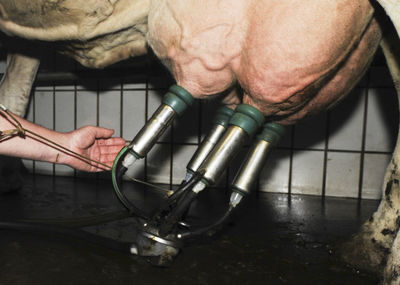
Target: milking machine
{"points": [[165, 231]]}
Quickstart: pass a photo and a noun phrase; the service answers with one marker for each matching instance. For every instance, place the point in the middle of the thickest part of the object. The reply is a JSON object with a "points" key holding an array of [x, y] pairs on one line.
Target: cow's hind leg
{"points": [[374, 245], [391, 48], [16, 84], [369, 249]]}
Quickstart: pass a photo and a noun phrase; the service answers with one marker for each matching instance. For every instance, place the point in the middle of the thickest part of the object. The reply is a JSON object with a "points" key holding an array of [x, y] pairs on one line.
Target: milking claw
{"points": [[165, 232]]}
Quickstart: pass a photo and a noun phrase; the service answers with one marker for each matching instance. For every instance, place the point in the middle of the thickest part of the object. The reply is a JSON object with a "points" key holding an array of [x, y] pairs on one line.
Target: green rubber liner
{"points": [[178, 98], [223, 116], [272, 132], [247, 117]]}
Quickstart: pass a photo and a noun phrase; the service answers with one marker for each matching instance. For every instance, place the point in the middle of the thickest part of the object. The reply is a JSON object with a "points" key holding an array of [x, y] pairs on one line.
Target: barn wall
{"points": [[343, 152]]}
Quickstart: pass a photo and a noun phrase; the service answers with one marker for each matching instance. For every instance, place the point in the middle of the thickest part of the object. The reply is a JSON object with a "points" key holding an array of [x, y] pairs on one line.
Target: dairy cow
{"points": [[290, 59]]}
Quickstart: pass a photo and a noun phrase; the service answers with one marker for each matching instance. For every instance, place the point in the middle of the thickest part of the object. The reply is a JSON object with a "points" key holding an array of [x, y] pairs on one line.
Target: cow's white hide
{"points": [[392, 8], [96, 33]]}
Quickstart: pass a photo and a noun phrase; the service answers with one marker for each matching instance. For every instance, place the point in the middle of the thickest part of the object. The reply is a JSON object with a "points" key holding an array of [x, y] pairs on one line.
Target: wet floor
{"points": [[274, 239]]}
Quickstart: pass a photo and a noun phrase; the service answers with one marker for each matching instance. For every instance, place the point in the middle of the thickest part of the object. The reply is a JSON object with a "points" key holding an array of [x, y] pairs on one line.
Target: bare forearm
{"points": [[28, 146], [89, 148]]}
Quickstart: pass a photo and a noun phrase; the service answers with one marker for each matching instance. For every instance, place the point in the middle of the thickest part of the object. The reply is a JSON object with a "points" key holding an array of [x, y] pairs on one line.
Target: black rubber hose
{"points": [[117, 173], [184, 187], [190, 234], [176, 214], [176, 197]]}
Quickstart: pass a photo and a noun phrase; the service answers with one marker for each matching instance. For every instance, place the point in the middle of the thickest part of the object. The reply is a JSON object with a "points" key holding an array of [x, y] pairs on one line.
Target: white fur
{"points": [[101, 32], [392, 8]]}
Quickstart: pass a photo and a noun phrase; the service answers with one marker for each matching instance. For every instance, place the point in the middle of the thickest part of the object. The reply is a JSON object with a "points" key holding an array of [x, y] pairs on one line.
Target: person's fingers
{"points": [[108, 159], [105, 159], [109, 149], [107, 154], [111, 142], [102, 133]]}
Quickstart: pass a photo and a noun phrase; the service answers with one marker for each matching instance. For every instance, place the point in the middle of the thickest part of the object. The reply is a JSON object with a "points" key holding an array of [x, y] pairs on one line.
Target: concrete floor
{"points": [[274, 239]]}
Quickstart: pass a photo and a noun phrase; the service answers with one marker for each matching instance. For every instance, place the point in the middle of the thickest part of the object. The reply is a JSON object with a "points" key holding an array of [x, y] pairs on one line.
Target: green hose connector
{"points": [[178, 98], [248, 118], [272, 132], [131, 151]]}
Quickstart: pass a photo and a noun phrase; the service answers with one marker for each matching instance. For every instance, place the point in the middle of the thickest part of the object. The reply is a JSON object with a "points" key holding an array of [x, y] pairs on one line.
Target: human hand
{"points": [[95, 143]]}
